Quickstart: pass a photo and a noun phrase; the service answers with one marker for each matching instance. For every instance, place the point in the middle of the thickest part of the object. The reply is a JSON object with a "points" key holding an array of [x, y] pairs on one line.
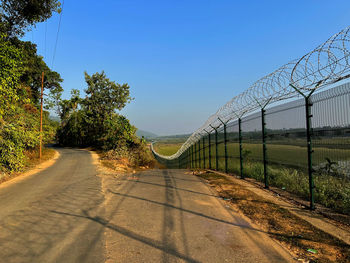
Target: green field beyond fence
{"points": [[286, 152]]}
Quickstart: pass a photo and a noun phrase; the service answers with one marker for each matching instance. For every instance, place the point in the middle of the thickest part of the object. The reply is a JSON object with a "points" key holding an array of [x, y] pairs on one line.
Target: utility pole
{"points": [[41, 114]]}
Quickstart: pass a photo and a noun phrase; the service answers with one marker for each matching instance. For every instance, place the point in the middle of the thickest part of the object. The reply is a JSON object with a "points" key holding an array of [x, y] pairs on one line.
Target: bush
{"points": [[19, 131]]}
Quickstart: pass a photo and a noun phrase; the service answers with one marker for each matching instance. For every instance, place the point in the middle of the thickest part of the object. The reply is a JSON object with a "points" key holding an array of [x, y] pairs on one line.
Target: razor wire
{"points": [[326, 64]]}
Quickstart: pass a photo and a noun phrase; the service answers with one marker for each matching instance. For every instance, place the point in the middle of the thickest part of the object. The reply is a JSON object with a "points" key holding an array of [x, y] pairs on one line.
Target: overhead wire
{"points": [[58, 32]]}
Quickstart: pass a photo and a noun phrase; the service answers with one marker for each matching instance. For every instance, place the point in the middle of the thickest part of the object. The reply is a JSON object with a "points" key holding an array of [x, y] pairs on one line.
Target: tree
{"points": [[32, 68], [11, 68], [105, 96], [19, 15], [93, 121], [20, 82], [66, 107]]}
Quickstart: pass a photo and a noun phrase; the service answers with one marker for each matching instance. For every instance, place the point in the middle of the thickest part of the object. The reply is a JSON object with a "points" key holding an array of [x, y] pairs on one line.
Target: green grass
{"points": [[287, 155], [167, 148], [287, 168]]}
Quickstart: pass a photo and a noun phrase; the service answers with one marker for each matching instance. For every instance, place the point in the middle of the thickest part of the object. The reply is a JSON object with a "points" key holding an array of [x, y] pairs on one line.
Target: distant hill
{"points": [[179, 138], [146, 134]]}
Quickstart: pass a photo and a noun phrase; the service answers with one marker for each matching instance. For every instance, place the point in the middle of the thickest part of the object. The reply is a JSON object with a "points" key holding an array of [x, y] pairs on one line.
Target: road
{"points": [[71, 213]]}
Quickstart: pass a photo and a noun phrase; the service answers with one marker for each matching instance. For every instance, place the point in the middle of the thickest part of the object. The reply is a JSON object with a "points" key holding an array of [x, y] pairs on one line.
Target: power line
{"points": [[58, 31], [45, 38]]}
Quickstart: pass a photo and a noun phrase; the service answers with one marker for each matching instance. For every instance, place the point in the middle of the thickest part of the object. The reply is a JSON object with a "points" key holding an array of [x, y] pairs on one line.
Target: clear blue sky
{"points": [[183, 59]]}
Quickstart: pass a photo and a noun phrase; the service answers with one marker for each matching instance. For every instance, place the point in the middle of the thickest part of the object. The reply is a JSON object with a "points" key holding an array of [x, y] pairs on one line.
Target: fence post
{"points": [[195, 155], [308, 106], [263, 129], [203, 152], [216, 148], [216, 151], [199, 153], [192, 155], [209, 150], [240, 146], [308, 117], [188, 158], [225, 144]]}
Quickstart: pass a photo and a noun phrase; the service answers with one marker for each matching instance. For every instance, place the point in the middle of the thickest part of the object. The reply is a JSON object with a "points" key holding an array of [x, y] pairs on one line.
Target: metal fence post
{"points": [[225, 140], [216, 151], [203, 152], [195, 155], [199, 153], [263, 129], [209, 150], [308, 106], [240, 146], [192, 155], [188, 158], [308, 117], [225, 144]]}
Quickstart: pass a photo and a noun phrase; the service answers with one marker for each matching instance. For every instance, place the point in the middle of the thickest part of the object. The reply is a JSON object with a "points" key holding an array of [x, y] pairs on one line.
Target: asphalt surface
{"points": [[37, 214], [70, 213]]}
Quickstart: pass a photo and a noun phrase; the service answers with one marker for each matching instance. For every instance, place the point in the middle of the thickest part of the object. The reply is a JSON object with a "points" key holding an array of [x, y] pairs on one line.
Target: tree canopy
{"points": [[19, 15], [94, 120]]}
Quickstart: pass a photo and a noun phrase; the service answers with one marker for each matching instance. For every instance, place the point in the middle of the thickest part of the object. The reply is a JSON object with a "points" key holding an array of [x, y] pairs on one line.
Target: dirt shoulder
{"points": [[284, 222], [49, 157]]}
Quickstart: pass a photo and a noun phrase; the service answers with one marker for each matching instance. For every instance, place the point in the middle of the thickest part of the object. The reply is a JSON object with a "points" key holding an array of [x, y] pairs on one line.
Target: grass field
{"points": [[288, 155], [167, 148]]}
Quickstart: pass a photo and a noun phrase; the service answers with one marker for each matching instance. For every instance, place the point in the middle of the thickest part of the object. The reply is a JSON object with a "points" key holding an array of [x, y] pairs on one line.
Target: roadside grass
{"points": [[294, 233], [287, 170], [332, 192], [32, 156], [31, 160]]}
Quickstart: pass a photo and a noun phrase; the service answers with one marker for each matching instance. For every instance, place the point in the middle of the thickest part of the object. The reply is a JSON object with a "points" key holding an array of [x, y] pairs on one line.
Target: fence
{"points": [[301, 146]]}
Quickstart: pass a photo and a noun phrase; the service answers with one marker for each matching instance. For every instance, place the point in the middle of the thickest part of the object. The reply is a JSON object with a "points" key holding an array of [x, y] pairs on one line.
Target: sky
{"points": [[182, 59]]}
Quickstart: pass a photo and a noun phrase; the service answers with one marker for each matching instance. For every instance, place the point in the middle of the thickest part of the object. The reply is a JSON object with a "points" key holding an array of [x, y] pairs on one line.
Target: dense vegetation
{"points": [[20, 82], [94, 121]]}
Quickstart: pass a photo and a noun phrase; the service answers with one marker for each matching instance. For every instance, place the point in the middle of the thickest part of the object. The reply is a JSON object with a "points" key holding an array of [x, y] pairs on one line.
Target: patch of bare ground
{"points": [[294, 233], [33, 164]]}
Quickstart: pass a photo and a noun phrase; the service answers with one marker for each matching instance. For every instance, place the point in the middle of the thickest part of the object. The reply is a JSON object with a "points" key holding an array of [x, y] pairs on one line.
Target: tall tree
{"points": [[11, 69], [19, 15], [105, 96]]}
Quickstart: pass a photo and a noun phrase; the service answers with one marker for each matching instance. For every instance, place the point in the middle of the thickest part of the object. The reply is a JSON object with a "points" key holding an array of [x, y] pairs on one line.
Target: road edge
{"points": [[32, 171], [324, 224]]}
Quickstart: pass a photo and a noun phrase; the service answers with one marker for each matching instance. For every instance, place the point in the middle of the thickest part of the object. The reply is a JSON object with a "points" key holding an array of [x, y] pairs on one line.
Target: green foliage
{"points": [[31, 76], [117, 132], [105, 96], [93, 121], [20, 82], [18, 15], [11, 68]]}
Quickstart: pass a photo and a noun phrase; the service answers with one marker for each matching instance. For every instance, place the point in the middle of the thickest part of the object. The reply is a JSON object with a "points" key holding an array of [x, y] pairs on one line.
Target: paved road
{"points": [[68, 214]]}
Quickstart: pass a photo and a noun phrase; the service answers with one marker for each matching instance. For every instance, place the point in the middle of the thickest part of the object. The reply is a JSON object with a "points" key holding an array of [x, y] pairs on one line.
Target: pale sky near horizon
{"points": [[183, 59]]}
